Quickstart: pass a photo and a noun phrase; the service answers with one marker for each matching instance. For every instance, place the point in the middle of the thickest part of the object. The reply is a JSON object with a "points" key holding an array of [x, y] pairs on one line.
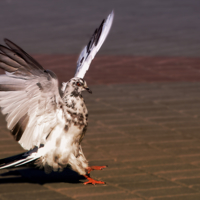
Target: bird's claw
{"points": [[89, 169], [92, 181]]}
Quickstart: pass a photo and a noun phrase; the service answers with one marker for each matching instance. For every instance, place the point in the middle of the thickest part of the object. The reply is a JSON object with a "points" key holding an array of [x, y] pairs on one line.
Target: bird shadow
{"points": [[35, 175]]}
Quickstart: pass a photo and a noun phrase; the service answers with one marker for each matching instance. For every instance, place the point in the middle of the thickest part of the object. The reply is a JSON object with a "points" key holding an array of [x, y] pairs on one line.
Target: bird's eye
{"points": [[78, 84]]}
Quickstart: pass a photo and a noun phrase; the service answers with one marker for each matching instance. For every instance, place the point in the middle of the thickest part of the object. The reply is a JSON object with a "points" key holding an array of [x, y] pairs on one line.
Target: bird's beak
{"points": [[88, 89]]}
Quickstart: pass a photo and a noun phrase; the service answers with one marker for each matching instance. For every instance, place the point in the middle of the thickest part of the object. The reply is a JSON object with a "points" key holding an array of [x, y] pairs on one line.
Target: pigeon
{"points": [[47, 121]]}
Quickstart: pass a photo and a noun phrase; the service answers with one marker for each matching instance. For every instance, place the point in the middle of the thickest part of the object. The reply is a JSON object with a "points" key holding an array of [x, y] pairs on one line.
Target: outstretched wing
{"points": [[29, 97], [95, 43]]}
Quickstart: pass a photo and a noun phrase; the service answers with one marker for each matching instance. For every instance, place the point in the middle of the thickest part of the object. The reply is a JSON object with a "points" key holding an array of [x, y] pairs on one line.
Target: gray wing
{"points": [[29, 96], [95, 43]]}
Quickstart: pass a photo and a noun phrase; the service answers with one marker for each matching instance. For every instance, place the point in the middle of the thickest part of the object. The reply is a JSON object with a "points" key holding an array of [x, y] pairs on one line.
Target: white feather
{"points": [[49, 126], [86, 57]]}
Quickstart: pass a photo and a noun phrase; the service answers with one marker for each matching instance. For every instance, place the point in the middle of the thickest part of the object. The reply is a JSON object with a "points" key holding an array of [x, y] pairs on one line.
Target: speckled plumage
{"points": [[65, 147], [47, 122]]}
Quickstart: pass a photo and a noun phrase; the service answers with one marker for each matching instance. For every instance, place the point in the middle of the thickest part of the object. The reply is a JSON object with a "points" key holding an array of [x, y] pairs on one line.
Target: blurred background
{"points": [[140, 28], [145, 108]]}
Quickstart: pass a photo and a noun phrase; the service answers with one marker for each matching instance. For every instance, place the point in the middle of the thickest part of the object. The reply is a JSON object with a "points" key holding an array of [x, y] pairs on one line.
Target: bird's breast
{"points": [[76, 115]]}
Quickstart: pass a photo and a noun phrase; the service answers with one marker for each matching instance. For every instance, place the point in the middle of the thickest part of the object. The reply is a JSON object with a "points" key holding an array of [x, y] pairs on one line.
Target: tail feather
{"points": [[18, 160], [10, 159], [25, 161]]}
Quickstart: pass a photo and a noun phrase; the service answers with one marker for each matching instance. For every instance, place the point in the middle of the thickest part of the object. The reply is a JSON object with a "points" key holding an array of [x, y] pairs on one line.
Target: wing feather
{"points": [[20, 126], [14, 56], [95, 43], [10, 62], [29, 96], [32, 63], [13, 117]]}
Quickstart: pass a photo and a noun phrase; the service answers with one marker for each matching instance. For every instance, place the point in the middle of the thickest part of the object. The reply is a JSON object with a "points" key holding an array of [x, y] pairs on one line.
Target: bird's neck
{"points": [[72, 95], [73, 101]]}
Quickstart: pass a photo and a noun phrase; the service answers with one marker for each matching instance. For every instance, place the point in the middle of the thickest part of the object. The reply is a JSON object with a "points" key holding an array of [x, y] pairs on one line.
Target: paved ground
{"points": [[146, 131], [144, 118]]}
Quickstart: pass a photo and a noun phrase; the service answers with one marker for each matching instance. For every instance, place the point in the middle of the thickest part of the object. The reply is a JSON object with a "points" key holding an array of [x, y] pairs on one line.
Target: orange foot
{"points": [[89, 169], [92, 181]]}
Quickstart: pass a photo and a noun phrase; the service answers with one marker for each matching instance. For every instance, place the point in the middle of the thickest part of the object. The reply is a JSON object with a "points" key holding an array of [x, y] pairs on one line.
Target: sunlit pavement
{"points": [[144, 113], [144, 123]]}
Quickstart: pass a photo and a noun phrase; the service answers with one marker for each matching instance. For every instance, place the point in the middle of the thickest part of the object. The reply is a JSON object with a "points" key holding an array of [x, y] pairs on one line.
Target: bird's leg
{"points": [[92, 181], [89, 169]]}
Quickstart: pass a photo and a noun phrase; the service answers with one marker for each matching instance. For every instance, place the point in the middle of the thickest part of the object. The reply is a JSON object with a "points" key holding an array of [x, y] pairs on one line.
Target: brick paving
{"points": [[144, 124], [144, 110], [126, 69]]}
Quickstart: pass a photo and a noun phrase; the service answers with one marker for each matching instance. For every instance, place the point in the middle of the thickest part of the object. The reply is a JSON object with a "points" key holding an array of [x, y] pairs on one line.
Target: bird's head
{"points": [[75, 86]]}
